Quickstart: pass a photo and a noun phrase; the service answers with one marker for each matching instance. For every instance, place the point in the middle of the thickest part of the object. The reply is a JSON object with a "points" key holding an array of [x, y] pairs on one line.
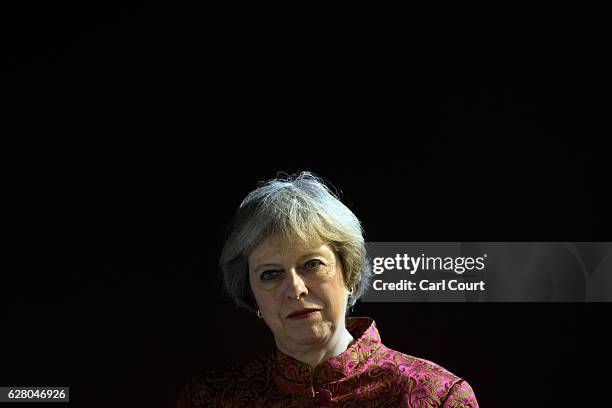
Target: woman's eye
{"points": [[313, 264], [269, 275]]}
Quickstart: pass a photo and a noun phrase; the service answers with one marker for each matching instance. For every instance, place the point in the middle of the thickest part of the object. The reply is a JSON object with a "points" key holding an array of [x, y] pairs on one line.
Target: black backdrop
{"points": [[131, 133]]}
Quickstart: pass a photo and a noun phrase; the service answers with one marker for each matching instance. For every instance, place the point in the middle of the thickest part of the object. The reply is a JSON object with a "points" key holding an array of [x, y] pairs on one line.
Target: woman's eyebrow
{"points": [[266, 265], [316, 253]]}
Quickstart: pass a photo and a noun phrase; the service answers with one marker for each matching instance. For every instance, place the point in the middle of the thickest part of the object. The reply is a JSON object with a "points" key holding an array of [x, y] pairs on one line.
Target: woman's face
{"points": [[280, 275]]}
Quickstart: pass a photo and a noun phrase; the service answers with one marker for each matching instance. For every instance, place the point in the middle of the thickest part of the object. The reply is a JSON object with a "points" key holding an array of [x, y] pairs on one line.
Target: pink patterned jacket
{"points": [[367, 374]]}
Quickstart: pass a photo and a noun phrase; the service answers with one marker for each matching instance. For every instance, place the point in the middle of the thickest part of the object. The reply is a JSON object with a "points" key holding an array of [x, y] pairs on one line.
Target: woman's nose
{"points": [[296, 287]]}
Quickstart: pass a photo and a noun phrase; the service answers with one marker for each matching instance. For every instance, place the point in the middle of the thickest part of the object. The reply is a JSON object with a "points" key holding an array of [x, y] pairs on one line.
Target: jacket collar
{"points": [[293, 376]]}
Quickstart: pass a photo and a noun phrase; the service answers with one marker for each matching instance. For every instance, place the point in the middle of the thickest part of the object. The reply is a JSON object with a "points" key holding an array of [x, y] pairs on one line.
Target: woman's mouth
{"points": [[304, 314]]}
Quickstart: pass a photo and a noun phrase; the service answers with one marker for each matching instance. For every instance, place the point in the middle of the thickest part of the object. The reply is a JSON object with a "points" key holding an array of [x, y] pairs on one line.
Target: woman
{"points": [[295, 255]]}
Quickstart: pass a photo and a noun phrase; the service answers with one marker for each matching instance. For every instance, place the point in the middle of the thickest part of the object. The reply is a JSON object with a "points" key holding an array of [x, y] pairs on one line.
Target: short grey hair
{"points": [[301, 209]]}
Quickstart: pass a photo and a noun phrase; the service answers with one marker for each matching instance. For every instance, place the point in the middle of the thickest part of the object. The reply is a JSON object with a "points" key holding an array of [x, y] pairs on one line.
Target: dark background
{"points": [[130, 133]]}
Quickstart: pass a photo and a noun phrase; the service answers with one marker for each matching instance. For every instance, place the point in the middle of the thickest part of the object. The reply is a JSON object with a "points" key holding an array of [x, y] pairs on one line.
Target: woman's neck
{"points": [[316, 355]]}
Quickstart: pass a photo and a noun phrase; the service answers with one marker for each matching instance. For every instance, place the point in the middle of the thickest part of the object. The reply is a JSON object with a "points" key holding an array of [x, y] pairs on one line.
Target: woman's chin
{"points": [[314, 332]]}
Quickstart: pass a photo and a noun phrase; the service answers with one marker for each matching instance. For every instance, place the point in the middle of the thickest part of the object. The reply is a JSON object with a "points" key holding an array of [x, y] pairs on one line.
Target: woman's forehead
{"points": [[276, 246]]}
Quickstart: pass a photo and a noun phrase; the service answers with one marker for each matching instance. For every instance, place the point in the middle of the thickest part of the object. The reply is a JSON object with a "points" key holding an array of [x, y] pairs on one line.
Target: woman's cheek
{"points": [[270, 286]]}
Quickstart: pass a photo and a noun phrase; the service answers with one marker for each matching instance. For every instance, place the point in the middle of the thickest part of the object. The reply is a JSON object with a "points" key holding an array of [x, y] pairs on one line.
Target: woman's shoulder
{"points": [[415, 366], [423, 379], [226, 386]]}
